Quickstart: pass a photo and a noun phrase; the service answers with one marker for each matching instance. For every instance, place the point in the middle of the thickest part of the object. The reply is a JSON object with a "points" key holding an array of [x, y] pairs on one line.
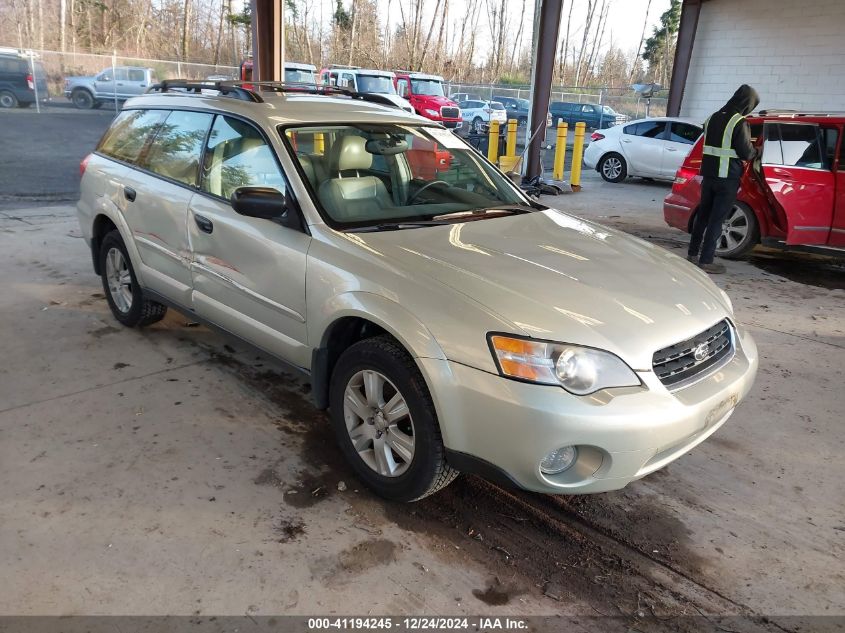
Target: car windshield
{"points": [[376, 84], [299, 76], [608, 110], [390, 176], [427, 87]]}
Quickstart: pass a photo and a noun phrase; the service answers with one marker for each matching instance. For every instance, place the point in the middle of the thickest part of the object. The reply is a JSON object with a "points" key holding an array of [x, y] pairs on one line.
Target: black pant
{"points": [[717, 198]]}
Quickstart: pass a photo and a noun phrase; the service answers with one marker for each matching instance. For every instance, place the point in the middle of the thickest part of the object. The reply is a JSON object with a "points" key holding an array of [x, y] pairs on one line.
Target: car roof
{"points": [[282, 108], [678, 119]]}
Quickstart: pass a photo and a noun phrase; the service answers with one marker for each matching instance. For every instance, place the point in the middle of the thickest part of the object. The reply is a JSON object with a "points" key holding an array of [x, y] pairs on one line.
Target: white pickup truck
{"points": [[120, 83]]}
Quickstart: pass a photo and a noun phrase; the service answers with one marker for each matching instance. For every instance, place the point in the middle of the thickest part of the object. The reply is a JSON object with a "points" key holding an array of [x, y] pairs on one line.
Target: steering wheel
{"points": [[424, 187]]}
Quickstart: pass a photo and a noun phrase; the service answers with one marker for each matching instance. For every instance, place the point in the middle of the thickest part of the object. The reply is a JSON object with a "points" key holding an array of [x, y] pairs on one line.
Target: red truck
{"points": [[425, 92]]}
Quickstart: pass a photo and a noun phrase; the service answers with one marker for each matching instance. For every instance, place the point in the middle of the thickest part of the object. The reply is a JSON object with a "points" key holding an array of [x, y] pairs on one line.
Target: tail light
{"points": [[29, 83], [83, 165], [595, 136], [683, 175]]}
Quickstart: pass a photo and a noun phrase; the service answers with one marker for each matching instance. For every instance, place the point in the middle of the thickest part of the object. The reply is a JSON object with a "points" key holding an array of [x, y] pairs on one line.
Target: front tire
{"points": [[613, 168], [123, 293], [82, 99], [385, 422], [740, 233], [8, 99]]}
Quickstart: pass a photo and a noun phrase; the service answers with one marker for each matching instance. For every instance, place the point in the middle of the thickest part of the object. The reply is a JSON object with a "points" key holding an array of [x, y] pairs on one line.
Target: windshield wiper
{"points": [[394, 226], [480, 213]]}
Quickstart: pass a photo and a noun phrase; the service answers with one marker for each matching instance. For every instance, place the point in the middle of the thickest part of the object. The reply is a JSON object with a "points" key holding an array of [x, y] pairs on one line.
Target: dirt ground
{"points": [[175, 471]]}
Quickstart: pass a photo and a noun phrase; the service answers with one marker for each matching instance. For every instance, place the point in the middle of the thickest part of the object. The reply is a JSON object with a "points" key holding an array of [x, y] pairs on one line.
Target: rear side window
{"points": [[795, 145], [684, 133], [648, 129], [10, 66], [175, 151], [238, 156], [129, 133], [136, 74]]}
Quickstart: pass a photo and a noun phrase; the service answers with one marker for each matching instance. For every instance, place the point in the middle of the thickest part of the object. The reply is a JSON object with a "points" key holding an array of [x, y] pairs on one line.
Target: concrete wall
{"points": [[791, 51]]}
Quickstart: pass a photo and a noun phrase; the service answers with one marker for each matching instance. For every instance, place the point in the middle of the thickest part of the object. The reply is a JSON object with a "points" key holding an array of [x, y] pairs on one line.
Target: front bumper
{"points": [[621, 434]]}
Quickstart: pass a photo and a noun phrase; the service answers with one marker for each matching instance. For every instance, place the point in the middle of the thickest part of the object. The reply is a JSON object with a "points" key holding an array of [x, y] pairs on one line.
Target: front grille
{"points": [[448, 112], [677, 364]]}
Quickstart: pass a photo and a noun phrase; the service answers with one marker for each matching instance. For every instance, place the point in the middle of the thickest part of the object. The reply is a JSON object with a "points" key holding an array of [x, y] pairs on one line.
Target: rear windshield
{"points": [[299, 76], [495, 105]]}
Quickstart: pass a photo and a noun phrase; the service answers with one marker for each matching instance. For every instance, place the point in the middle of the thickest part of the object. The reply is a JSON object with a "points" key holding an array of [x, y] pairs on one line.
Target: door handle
{"points": [[204, 224], [119, 83], [624, 140], [129, 194], [671, 149]]}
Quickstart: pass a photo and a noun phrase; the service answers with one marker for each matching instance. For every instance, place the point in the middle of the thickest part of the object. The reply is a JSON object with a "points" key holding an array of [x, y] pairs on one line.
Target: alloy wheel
{"points": [[119, 280], [734, 230], [611, 168], [379, 423]]}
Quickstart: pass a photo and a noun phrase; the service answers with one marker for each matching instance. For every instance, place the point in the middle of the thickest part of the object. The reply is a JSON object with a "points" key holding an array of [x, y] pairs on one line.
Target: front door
{"points": [[104, 85], [800, 180], [248, 273], [643, 147]]}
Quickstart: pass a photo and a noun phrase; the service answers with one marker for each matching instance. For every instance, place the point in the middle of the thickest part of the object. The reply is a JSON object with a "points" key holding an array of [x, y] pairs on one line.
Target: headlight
{"points": [[431, 112], [579, 370]]}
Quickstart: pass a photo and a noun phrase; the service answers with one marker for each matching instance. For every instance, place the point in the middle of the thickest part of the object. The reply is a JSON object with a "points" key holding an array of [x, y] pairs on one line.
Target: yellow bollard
{"points": [[493, 144], [560, 150], [577, 155], [319, 143], [510, 148]]}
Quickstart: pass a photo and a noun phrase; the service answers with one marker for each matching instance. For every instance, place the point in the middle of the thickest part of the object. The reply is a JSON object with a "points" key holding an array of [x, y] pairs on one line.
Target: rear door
{"points": [[679, 141], [800, 180], [248, 273], [642, 144], [136, 81], [156, 196]]}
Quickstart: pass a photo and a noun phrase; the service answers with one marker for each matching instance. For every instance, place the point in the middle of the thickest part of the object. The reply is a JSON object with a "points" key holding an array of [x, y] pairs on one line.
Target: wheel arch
{"points": [[356, 316]]}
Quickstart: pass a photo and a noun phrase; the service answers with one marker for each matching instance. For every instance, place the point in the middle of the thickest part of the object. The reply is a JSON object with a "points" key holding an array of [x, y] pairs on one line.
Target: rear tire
{"points": [[740, 233], [379, 397], [82, 99], [613, 168], [475, 126], [8, 99], [121, 287]]}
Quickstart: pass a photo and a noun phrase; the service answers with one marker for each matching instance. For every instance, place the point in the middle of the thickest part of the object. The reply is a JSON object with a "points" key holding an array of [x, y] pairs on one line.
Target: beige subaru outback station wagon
{"points": [[448, 322]]}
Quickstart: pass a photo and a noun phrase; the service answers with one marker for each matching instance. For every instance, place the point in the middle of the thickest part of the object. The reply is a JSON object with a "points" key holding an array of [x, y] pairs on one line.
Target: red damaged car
{"points": [[793, 195]]}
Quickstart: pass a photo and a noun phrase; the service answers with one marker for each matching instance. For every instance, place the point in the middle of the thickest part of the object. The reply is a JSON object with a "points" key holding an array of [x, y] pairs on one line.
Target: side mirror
{"points": [[266, 203]]}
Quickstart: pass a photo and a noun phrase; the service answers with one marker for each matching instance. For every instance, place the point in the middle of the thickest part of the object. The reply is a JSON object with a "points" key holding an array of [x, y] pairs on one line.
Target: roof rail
{"points": [[347, 66], [226, 88], [309, 88], [774, 112]]}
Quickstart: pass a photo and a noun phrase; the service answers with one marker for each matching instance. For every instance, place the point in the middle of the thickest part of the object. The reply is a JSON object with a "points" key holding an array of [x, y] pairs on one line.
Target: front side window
{"points": [[367, 174], [376, 84], [428, 87], [684, 133], [175, 151], [588, 109], [238, 156], [129, 133]]}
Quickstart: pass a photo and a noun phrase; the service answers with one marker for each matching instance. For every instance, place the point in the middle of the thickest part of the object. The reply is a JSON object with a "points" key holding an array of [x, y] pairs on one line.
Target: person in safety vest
{"points": [[727, 142]]}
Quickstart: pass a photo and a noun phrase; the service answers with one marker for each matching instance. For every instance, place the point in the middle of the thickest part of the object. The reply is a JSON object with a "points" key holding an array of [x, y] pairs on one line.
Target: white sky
{"points": [[624, 24]]}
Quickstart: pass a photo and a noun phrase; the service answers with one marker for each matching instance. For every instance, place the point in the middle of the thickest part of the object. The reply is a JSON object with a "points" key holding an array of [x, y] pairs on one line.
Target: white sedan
{"points": [[649, 148]]}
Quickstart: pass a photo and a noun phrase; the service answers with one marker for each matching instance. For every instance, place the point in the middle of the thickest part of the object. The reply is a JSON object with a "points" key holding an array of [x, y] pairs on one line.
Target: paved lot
{"points": [[171, 470]]}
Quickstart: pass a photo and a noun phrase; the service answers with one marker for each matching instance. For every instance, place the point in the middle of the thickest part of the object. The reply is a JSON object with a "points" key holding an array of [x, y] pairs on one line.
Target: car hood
{"points": [[556, 277], [397, 100]]}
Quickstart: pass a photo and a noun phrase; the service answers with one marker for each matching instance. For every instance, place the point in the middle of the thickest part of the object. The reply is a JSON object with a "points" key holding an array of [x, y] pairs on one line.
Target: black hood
{"points": [[744, 101]]}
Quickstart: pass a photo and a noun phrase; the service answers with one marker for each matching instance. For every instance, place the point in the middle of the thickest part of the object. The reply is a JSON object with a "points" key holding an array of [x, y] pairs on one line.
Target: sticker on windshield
{"points": [[445, 138]]}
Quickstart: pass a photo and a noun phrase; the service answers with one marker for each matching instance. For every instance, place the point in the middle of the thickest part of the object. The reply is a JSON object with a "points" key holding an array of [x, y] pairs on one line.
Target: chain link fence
{"points": [[623, 101]]}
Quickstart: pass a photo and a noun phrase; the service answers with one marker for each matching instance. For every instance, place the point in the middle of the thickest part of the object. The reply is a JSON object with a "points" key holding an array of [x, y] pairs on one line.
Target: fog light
{"points": [[558, 460]]}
